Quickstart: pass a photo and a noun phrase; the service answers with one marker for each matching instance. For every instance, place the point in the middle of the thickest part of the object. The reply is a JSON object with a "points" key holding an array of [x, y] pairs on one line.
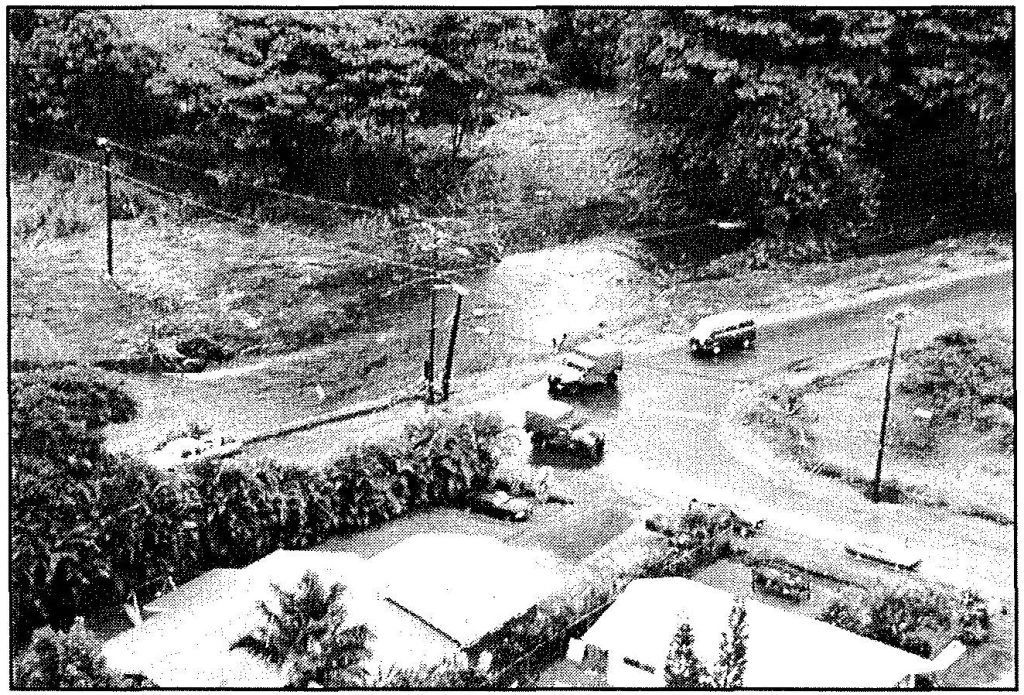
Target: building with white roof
{"points": [[784, 650], [187, 642], [465, 586], [426, 599]]}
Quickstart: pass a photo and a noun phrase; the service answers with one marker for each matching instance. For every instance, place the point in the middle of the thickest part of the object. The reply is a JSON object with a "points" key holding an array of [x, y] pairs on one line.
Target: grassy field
{"points": [[966, 471]]}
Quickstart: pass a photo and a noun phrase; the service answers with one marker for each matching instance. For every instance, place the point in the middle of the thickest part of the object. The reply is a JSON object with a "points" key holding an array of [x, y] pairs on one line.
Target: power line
{"points": [[214, 176], [257, 225], [62, 155], [268, 189]]}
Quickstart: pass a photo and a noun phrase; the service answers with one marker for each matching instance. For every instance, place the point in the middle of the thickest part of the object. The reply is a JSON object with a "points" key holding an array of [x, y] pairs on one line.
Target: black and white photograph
{"points": [[455, 347]]}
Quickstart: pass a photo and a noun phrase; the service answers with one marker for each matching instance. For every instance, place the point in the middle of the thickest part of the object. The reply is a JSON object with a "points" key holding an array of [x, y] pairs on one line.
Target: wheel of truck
{"points": [[612, 378]]}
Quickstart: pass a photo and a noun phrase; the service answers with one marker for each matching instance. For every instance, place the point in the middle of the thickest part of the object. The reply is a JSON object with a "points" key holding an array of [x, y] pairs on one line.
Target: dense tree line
{"points": [[296, 96], [814, 126], [817, 125]]}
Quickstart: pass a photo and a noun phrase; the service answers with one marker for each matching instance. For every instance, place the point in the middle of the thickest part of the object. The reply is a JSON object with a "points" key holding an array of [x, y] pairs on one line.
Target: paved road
{"points": [[666, 444], [665, 441]]}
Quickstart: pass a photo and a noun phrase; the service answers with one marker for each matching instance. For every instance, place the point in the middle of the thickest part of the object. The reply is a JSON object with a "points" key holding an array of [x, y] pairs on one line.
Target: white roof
{"points": [[784, 650], [465, 586], [190, 647], [718, 321], [206, 588]]}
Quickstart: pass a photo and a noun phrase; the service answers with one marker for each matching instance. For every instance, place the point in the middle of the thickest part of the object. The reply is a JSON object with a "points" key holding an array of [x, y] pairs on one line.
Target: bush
{"points": [[913, 433], [446, 676], [1000, 422], [57, 414], [895, 616], [65, 660], [963, 371], [779, 407], [975, 624]]}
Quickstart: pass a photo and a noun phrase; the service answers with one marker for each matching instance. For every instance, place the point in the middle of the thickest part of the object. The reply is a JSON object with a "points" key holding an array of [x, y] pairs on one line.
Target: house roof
{"points": [[190, 646], [206, 588], [465, 586], [784, 650]]}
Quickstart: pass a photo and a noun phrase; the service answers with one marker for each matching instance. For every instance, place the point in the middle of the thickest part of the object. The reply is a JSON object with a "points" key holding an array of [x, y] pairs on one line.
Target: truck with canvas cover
{"points": [[594, 363], [553, 427]]}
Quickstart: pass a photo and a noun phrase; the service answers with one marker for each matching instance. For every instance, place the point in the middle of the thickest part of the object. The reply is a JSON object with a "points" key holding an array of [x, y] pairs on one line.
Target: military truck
{"points": [[596, 363], [552, 426]]}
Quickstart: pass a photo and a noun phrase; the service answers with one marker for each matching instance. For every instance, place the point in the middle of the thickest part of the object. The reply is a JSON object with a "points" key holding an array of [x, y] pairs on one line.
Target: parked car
{"points": [[501, 505], [552, 427], [733, 330], [594, 363]]}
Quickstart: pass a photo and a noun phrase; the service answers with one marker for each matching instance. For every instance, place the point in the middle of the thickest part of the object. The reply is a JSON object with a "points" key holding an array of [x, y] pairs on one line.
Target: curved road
{"points": [[665, 439]]}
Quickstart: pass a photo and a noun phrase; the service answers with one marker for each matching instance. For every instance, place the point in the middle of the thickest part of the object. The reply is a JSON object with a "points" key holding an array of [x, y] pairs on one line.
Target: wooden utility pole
{"points": [[102, 142], [885, 419], [429, 371], [447, 379]]}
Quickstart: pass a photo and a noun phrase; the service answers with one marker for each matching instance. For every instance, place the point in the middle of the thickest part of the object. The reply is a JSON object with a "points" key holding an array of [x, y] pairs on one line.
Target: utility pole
{"points": [[105, 144], [896, 319], [428, 370], [460, 292]]}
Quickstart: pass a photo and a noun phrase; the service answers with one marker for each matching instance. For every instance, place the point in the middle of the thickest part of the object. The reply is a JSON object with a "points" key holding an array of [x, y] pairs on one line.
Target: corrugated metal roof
{"points": [[465, 586], [784, 650]]}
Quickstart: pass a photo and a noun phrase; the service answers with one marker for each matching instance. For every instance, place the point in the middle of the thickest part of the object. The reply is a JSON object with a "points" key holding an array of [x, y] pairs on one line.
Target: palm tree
{"points": [[307, 637]]}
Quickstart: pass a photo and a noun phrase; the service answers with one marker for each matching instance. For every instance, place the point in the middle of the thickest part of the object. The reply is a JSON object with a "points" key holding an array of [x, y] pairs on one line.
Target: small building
{"points": [[464, 586], [187, 642], [630, 642], [426, 599]]}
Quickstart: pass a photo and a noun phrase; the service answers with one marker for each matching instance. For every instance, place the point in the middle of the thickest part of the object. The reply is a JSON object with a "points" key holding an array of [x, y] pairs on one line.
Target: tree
{"points": [[732, 659], [307, 637], [480, 58], [683, 668], [582, 45], [78, 69], [272, 112], [804, 121], [65, 660]]}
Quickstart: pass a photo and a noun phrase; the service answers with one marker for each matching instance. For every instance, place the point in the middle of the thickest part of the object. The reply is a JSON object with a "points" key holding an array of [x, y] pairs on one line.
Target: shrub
{"points": [[974, 624], [446, 676], [1000, 422], [913, 433], [962, 371], [779, 407], [56, 414], [895, 616], [64, 660]]}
